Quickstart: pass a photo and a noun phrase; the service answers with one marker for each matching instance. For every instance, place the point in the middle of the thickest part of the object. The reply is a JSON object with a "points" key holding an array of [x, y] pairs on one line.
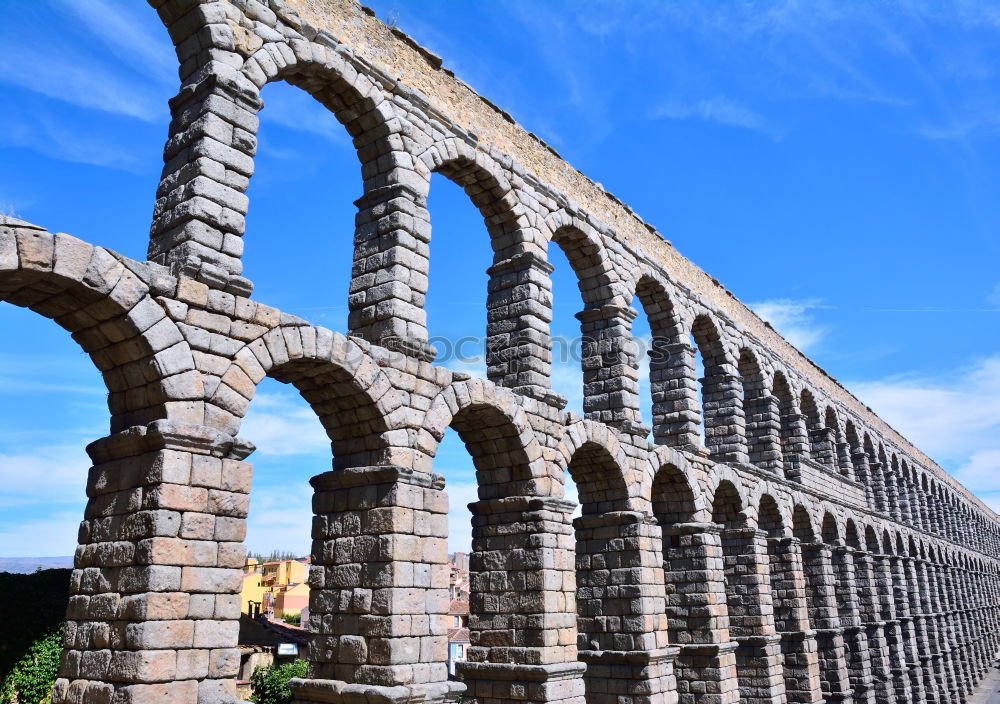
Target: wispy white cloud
{"points": [[474, 366], [983, 124], [14, 201], [51, 475], [53, 534], [131, 32], [981, 473], [294, 109], [991, 499], [280, 518], [63, 142], [720, 110], [460, 495], [993, 297], [15, 384], [955, 417], [281, 424], [567, 379], [793, 319], [58, 72]]}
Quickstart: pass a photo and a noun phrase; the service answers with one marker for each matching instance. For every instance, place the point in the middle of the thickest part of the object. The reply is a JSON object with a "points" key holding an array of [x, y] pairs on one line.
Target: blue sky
{"points": [[834, 164]]}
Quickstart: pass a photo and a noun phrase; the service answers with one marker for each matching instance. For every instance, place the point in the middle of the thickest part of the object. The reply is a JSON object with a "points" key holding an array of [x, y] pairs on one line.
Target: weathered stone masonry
{"points": [[801, 552]]}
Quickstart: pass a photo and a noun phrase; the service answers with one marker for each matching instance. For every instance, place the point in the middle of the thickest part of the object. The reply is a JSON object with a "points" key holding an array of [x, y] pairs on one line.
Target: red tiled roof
{"points": [[458, 635], [458, 607]]}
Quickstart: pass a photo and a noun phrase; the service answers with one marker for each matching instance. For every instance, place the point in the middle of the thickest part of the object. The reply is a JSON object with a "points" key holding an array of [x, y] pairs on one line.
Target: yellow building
{"points": [[276, 588], [252, 592]]}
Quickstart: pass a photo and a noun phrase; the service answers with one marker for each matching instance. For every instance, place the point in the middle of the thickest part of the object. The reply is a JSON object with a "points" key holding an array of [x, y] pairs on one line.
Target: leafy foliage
{"points": [[292, 619], [48, 593], [269, 684], [31, 680]]}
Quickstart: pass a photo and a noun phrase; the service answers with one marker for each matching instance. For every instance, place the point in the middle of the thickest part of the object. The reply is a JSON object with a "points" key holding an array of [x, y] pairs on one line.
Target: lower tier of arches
{"points": [[611, 607]]}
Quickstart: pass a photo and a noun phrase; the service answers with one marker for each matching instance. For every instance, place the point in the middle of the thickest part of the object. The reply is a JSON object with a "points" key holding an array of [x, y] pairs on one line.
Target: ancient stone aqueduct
{"points": [[796, 550]]}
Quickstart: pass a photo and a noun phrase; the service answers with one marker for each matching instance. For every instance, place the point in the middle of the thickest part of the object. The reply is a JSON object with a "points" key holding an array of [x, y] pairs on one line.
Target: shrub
{"points": [[292, 619], [269, 684], [48, 593], [31, 680]]}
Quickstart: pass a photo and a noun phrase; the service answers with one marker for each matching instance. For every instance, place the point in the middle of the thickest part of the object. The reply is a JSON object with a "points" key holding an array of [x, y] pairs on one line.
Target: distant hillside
{"points": [[24, 565], [32, 604]]}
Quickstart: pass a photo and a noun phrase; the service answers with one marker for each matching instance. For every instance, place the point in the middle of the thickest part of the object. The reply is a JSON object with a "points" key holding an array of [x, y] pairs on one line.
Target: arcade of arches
{"points": [[775, 541]]}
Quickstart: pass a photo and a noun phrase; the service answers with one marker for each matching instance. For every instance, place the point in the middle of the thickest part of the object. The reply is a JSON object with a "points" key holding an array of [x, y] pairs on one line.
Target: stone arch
{"points": [[888, 546], [852, 536], [358, 102], [673, 495], [839, 449], [793, 432], [350, 394], [747, 586], [761, 413], [518, 347], [889, 481], [721, 407], [728, 508], [201, 202], [899, 476], [934, 505], [770, 518], [599, 467], [710, 342], [111, 314], [810, 408], [824, 607], [668, 360], [859, 462], [608, 353], [497, 433], [842, 536], [657, 302], [819, 447], [489, 189], [872, 543], [786, 578], [830, 529], [599, 282], [802, 524]]}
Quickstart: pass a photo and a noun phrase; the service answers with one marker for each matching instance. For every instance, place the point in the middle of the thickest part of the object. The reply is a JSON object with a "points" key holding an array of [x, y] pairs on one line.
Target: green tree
{"points": [[269, 684], [31, 680]]}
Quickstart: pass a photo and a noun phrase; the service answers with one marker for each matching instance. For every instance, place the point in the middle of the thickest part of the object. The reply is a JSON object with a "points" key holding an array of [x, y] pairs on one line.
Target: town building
{"points": [[278, 588], [458, 634]]}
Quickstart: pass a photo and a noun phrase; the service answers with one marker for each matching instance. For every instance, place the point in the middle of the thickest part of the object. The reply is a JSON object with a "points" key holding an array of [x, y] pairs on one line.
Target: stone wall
{"points": [[796, 549]]}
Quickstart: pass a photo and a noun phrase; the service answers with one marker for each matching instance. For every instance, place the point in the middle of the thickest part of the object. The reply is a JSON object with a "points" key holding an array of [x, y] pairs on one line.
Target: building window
{"points": [[457, 622]]}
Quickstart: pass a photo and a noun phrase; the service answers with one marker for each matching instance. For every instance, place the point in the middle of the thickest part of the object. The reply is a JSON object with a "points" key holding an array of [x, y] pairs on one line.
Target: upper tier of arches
{"points": [[760, 405]]}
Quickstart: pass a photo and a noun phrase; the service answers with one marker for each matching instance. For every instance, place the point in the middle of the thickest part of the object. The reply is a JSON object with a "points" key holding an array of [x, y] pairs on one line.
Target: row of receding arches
{"points": [[887, 611], [702, 540], [744, 413], [775, 597]]}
